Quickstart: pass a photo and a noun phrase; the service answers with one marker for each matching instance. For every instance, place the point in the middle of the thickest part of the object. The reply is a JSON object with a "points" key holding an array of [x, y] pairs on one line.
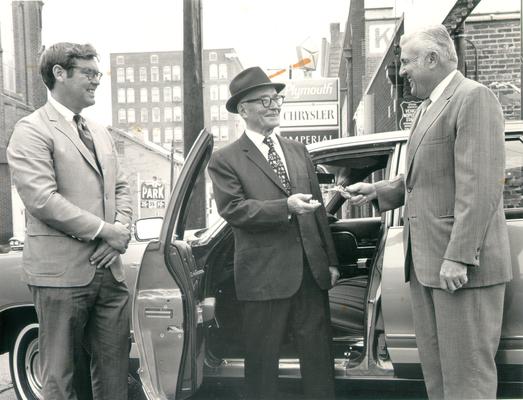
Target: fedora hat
{"points": [[244, 82]]}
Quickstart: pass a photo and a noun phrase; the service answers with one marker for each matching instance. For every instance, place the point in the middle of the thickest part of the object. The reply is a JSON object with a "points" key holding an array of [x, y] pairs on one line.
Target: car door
{"points": [[167, 313]]}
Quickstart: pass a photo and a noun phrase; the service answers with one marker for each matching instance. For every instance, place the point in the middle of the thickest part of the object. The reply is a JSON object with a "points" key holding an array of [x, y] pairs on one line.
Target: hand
{"points": [[360, 193], [300, 203], [104, 255], [452, 276], [335, 275], [116, 235]]}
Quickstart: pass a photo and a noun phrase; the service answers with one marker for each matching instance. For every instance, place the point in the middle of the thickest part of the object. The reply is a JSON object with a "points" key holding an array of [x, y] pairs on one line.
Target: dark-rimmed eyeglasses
{"points": [[267, 100], [89, 73]]}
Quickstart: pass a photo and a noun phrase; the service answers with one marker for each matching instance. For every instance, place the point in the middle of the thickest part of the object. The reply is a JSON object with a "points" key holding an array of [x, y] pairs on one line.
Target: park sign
{"points": [[310, 112], [152, 194]]}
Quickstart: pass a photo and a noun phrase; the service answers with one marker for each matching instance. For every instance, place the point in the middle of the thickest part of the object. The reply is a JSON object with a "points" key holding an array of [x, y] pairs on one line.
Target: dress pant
{"points": [[84, 329], [458, 336], [265, 324]]}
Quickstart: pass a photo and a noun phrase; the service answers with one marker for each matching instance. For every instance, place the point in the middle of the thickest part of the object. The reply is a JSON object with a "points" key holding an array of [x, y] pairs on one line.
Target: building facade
{"points": [[21, 92], [147, 95]]}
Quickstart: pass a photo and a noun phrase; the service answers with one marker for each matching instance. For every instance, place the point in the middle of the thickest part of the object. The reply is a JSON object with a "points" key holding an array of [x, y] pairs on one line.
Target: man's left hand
{"points": [[335, 275], [452, 276], [104, 255]]}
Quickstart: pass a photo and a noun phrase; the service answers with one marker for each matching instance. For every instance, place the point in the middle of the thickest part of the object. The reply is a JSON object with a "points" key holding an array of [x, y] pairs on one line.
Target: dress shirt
{"points": [[68, 116], [257, 139], [438, 90]]}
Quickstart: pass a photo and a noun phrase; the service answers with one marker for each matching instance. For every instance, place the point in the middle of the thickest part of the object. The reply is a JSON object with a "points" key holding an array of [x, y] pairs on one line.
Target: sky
{"points": [[264, 33]]}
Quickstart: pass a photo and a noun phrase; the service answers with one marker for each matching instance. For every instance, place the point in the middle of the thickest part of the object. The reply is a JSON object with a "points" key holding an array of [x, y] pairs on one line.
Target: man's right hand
{"points": [[300, 203], [359, 193], [116, 235]]}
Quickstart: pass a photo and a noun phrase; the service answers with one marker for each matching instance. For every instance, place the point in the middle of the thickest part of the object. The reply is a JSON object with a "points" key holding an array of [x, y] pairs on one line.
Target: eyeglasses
{"points": [[89, 73], [267, 100]]}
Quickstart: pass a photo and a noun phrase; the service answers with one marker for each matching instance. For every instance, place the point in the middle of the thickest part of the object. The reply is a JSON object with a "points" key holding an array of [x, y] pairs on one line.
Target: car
{"points": [[187, 320]]}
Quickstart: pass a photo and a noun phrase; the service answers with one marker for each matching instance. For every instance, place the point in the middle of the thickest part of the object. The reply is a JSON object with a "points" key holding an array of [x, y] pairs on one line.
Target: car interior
{"points": [[356, 233]]}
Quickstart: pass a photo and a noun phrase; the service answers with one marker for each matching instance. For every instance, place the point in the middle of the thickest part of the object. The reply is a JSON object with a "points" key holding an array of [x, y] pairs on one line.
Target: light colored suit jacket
{"points": [[66, 196], [269, 248], [453, 187]]}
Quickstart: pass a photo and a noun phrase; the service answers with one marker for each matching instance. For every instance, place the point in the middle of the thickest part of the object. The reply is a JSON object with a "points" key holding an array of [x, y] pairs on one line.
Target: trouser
{"points": [[76, 321], [457, 336], [307, 315]]}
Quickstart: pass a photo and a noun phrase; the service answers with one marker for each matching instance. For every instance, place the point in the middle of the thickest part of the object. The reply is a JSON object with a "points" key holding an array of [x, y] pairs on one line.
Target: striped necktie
{"points": [[277, 165], [85, 136]]}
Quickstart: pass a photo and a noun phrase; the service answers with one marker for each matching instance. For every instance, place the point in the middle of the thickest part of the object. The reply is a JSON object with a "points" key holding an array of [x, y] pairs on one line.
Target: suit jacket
{"points": [[269, 248], [453, 187], [66, 196]]}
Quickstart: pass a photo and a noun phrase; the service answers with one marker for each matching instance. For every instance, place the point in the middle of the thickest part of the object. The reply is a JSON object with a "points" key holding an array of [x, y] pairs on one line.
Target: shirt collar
{"points": [[257, 138], [63, 110], [438, 90]]}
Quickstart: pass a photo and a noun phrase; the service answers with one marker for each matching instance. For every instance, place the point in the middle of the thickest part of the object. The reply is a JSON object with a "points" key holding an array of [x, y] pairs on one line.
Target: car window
{"points": [[512, 192]]}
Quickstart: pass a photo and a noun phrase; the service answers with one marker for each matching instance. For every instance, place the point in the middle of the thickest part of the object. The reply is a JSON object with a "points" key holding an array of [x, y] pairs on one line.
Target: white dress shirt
{"points": [[438, 90], [257, 139]]}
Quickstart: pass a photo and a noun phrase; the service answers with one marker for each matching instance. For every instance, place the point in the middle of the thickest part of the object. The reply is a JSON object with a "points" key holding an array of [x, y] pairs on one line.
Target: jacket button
{"points": [[409, 189]]}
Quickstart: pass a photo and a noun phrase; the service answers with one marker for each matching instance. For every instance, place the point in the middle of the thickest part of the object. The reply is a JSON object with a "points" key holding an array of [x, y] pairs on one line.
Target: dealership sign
{"points": [[152, 194], [408, 111], [310, 112]]}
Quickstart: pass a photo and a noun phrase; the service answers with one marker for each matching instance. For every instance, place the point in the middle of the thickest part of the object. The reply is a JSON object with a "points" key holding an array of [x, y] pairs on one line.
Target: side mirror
{"points": [[146, 229]]}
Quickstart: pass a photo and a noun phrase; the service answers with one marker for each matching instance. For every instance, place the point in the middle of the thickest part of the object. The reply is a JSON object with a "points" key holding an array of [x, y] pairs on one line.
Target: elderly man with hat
{"points": [[284, 262]]}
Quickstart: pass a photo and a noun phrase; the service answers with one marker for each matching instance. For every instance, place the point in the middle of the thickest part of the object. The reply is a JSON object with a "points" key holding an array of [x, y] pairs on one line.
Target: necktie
{"points": [[277, 165], [85, 135], [423, 108]]}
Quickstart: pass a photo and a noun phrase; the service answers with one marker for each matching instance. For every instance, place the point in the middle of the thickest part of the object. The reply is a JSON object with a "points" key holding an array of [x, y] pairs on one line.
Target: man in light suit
{"points": [[455, 234], [78, 211], [284, 262]]}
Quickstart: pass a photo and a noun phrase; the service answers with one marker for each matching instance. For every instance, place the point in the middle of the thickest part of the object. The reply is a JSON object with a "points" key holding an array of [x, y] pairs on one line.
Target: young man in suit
{"points": [[78, 210], [455, 234], [284, 263]]}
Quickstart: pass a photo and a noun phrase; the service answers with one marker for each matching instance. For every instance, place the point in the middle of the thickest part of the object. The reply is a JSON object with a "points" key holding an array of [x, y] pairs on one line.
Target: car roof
{"points": [[512, 126]]}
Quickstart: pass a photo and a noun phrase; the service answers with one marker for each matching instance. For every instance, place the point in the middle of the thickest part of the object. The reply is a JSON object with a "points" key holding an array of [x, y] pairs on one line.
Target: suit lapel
{"points": [[64, 127], [253, 154], [422, 127]]}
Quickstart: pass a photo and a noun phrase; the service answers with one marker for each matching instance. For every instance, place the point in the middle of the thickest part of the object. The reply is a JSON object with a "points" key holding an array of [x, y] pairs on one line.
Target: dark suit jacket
{"points": [[269, 248], [66, 196], [454, 178]]}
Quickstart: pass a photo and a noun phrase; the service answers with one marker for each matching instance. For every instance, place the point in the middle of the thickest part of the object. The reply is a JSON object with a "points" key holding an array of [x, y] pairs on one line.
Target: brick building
{"points": [[147, 95], [21, 92]]}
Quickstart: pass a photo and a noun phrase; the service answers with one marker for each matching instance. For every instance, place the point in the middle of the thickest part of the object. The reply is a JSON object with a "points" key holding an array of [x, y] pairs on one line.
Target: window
{"points": [[157, 135], [166, 73], [213, 71], [120, 147], [129, 74], [168, 135], [178, 134], [214, 92], [167, 94], [145, 133], [155, 74], [131, 116], [154, 59], [223, 71], [176, 73], [224, 115], [177, 111], [143, 74], [120, 75], [213, 56], [156, 114], [224, 92], [144, 115], [130, 95], [121, 95], [143, 95], [215, 130], [167, 114], [155, 95], [224, 132], [120, 60], [215, 113], [177, 93], [122, 115]]}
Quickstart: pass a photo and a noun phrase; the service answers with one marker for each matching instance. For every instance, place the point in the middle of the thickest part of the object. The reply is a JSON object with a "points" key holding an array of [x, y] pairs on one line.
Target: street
{"points": [[219, 390]]}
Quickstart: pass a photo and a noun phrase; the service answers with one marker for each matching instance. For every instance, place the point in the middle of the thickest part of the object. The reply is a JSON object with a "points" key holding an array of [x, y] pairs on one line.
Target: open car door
{"points": [[167, 314]]}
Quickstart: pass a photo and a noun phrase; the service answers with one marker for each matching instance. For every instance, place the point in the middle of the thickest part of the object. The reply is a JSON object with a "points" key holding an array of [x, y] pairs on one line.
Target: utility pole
{"points": [[193, 101], [520, 59]]}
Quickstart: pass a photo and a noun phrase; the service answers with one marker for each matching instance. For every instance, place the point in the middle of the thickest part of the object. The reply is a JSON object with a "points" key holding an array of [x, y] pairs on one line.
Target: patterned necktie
{"points": [[277, 165], [85, 136]]}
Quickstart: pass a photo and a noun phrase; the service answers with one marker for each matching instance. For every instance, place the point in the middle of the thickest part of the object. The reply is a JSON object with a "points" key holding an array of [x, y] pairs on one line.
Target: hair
{"points": [[63, 54], [434, 38]]}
